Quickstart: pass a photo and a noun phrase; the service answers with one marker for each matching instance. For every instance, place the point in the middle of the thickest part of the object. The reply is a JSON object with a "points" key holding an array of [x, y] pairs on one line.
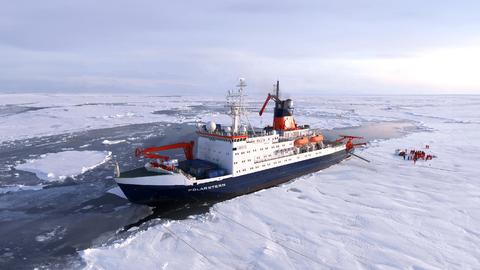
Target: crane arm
{"points": [[149, 151], [349, 145], [265, 104], [344, 137], [270, 96]]}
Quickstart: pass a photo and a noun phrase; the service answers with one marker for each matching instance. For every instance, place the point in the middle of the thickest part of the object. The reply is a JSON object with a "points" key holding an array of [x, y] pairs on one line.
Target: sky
{"points": [[315, 47]]}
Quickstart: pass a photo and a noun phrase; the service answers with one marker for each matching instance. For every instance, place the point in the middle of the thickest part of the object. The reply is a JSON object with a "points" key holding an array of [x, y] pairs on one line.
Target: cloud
{"points": [[441, 70], [121, 82], [313, 46]]}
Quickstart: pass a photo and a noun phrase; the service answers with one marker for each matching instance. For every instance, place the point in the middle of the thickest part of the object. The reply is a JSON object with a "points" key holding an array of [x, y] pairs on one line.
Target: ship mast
{"points": [[235, 99]]}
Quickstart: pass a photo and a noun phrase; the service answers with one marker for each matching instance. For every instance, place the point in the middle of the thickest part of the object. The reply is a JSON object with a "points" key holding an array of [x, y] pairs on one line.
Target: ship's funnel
{"points": [[283, 111]]}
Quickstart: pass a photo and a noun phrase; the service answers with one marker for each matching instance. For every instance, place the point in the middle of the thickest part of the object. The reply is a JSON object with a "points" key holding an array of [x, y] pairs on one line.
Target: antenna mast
{"points": [[235, 103]]}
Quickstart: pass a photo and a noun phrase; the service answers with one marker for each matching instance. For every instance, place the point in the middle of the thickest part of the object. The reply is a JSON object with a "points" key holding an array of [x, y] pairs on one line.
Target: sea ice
{"points": [[56, 232], [58, 166], [50, 114], [15, 188], [110, 142], [387, 214]]}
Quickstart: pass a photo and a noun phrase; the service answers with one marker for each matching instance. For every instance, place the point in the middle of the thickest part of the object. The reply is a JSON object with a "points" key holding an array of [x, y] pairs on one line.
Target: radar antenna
{"points": [[235, 101]]}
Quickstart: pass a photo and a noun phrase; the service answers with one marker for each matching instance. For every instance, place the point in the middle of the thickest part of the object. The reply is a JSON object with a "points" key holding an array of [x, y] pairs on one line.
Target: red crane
{"points": [[149, 151], [349, 145], [274, 97]]}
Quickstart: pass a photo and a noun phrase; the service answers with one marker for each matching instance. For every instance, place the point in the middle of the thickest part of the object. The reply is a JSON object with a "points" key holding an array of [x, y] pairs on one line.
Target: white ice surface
{"points": [[388, 214], [110, 142], [55, 233], [58, 166], [59, 114], [15, 188], [51, 114]]}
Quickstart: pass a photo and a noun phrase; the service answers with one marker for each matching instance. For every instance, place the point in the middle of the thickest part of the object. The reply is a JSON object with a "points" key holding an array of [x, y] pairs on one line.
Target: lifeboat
{"points": [[300, 141], [316, 139]]}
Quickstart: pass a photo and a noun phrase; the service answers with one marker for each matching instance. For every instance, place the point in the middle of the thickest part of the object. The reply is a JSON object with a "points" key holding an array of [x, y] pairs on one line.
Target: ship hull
{"points": [[155, 195]]}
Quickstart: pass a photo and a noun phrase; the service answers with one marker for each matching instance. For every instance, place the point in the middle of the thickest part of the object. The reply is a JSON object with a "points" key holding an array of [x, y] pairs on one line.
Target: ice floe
{"points": [[59, 166], [15, 188], [110, 142], [57, 232]]}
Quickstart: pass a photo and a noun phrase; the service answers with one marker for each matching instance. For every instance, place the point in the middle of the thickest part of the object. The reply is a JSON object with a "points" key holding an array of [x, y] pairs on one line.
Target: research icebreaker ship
{"points": [[233, 160]]}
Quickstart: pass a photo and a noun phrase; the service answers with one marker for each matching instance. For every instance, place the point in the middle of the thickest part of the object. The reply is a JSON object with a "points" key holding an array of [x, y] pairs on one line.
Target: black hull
{"points": [[230, 187]]}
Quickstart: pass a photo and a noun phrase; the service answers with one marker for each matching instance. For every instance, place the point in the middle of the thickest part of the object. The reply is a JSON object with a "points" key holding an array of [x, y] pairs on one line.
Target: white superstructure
{"points": [[240, 155], [233, 159], [246, 151]]}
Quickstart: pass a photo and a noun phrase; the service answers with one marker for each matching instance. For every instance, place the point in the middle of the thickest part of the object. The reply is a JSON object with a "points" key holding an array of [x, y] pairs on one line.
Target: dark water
{"points": [[69, 216], [45, 228]]}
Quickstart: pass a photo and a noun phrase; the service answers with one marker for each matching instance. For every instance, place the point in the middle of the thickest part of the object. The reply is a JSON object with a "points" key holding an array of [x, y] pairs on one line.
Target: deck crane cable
{"points": [[270, 239], [186, 243], [357, 156], [249, 124]]}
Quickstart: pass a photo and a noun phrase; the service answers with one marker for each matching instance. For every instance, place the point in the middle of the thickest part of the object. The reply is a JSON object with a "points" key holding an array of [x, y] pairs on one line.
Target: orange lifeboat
{"points": [[300, 141], [316, 139]]}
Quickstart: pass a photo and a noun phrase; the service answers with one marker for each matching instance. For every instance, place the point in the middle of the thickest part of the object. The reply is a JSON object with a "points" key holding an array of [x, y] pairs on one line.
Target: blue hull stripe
{"points": [[230, 187]]}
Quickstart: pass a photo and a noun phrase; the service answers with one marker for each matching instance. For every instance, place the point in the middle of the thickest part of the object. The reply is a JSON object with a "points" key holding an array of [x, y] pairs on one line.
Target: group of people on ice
{"points": [[415, 154]]}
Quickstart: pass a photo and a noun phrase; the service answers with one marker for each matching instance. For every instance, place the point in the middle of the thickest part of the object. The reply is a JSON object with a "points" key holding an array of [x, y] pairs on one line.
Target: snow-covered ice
{"points": [[59, 166], [51, 114], [110, 142], [388, 214], [406, 217]]}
